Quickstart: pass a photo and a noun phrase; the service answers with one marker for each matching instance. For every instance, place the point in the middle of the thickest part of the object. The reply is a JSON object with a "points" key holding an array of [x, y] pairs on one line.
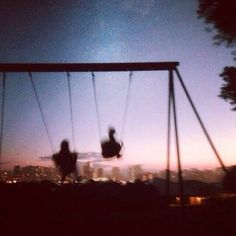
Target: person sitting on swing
{"points": [[65, 160], [111, 147]]}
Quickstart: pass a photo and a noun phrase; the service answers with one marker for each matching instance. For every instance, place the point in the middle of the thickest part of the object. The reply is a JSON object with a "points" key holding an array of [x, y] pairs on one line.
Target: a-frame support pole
{"points": [[172, 105], [168, 143], [200, 121], [2, 115], [180, 178]]}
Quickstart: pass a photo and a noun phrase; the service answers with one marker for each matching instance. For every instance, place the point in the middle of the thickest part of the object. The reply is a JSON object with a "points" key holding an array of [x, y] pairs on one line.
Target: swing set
{"points": [[68, 68]]}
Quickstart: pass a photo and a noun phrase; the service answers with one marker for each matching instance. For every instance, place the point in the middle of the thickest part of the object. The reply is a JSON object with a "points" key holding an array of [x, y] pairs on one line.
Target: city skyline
{"points": [[116, 174]]}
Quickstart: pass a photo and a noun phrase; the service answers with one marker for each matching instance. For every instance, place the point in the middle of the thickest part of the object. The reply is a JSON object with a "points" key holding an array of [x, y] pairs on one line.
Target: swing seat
{"points": [[110, 149]]}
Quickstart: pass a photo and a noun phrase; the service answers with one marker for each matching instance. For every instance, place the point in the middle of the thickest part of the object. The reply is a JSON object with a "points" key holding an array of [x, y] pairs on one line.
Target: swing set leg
{"points": [[172, 106]]}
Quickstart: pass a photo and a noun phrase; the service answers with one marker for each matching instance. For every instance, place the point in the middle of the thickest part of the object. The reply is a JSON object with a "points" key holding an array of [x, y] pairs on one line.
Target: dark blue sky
{"points": [[112, 31]]}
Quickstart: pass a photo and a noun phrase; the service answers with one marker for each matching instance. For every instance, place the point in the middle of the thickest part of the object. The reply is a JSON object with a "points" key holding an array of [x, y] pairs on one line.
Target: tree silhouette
{"points": [[220, 16], [229, 180], [228, 89]]}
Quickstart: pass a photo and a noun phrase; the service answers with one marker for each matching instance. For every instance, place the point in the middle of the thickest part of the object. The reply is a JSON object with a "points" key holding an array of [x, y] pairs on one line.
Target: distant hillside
{"points": [[191, 187]]}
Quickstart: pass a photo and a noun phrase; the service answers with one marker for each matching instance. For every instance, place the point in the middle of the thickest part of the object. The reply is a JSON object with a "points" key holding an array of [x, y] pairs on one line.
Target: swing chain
{"points": [[130, 76], [71, 111], [96, 105], [127, 100], [41, 112], [68, 75]]}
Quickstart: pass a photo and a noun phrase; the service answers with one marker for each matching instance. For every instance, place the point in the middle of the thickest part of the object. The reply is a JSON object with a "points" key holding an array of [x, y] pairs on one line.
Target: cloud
{"points": [[82, 156], [94, 158], [46, 158], [89, 155]]}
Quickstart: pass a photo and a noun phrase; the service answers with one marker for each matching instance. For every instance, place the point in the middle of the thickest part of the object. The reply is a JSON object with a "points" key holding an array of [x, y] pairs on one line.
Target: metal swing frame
{"points": [[171, 67]]}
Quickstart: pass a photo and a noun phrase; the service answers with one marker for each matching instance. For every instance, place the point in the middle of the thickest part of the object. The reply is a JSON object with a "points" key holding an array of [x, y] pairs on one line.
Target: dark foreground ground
{"points": [[106, 209]]}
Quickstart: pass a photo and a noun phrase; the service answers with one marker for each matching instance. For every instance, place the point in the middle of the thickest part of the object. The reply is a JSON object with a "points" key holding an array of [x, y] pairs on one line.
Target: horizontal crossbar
{"points": [[87, 67]]}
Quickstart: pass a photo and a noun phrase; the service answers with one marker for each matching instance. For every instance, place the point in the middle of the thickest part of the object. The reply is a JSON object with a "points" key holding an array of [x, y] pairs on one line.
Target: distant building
{"points": [[147, 176], [17, 172], [87, 171], [6, 175], [99, 173], [115, 173], [39, 173], [28, 173], [135, 172]]}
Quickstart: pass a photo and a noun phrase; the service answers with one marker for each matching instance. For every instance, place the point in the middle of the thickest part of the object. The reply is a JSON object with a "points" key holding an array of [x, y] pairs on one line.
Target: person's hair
{"points": [[111, 131], [64, 145]]}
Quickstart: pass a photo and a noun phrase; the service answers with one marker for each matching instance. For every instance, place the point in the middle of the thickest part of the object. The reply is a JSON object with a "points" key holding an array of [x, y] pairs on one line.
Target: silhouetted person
{"points": [[66, 160], [111, 147]]}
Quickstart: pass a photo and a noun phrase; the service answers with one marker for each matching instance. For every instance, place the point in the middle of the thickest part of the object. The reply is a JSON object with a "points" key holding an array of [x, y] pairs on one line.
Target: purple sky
{"points": [[113, 31]]}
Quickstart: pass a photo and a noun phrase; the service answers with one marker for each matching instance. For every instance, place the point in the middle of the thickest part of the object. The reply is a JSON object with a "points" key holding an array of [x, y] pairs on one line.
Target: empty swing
{"points": [[111, 147]]}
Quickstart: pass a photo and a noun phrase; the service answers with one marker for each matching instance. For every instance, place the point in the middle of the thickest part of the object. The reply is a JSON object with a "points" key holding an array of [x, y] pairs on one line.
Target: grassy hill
{"points": [[106, 208]]}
